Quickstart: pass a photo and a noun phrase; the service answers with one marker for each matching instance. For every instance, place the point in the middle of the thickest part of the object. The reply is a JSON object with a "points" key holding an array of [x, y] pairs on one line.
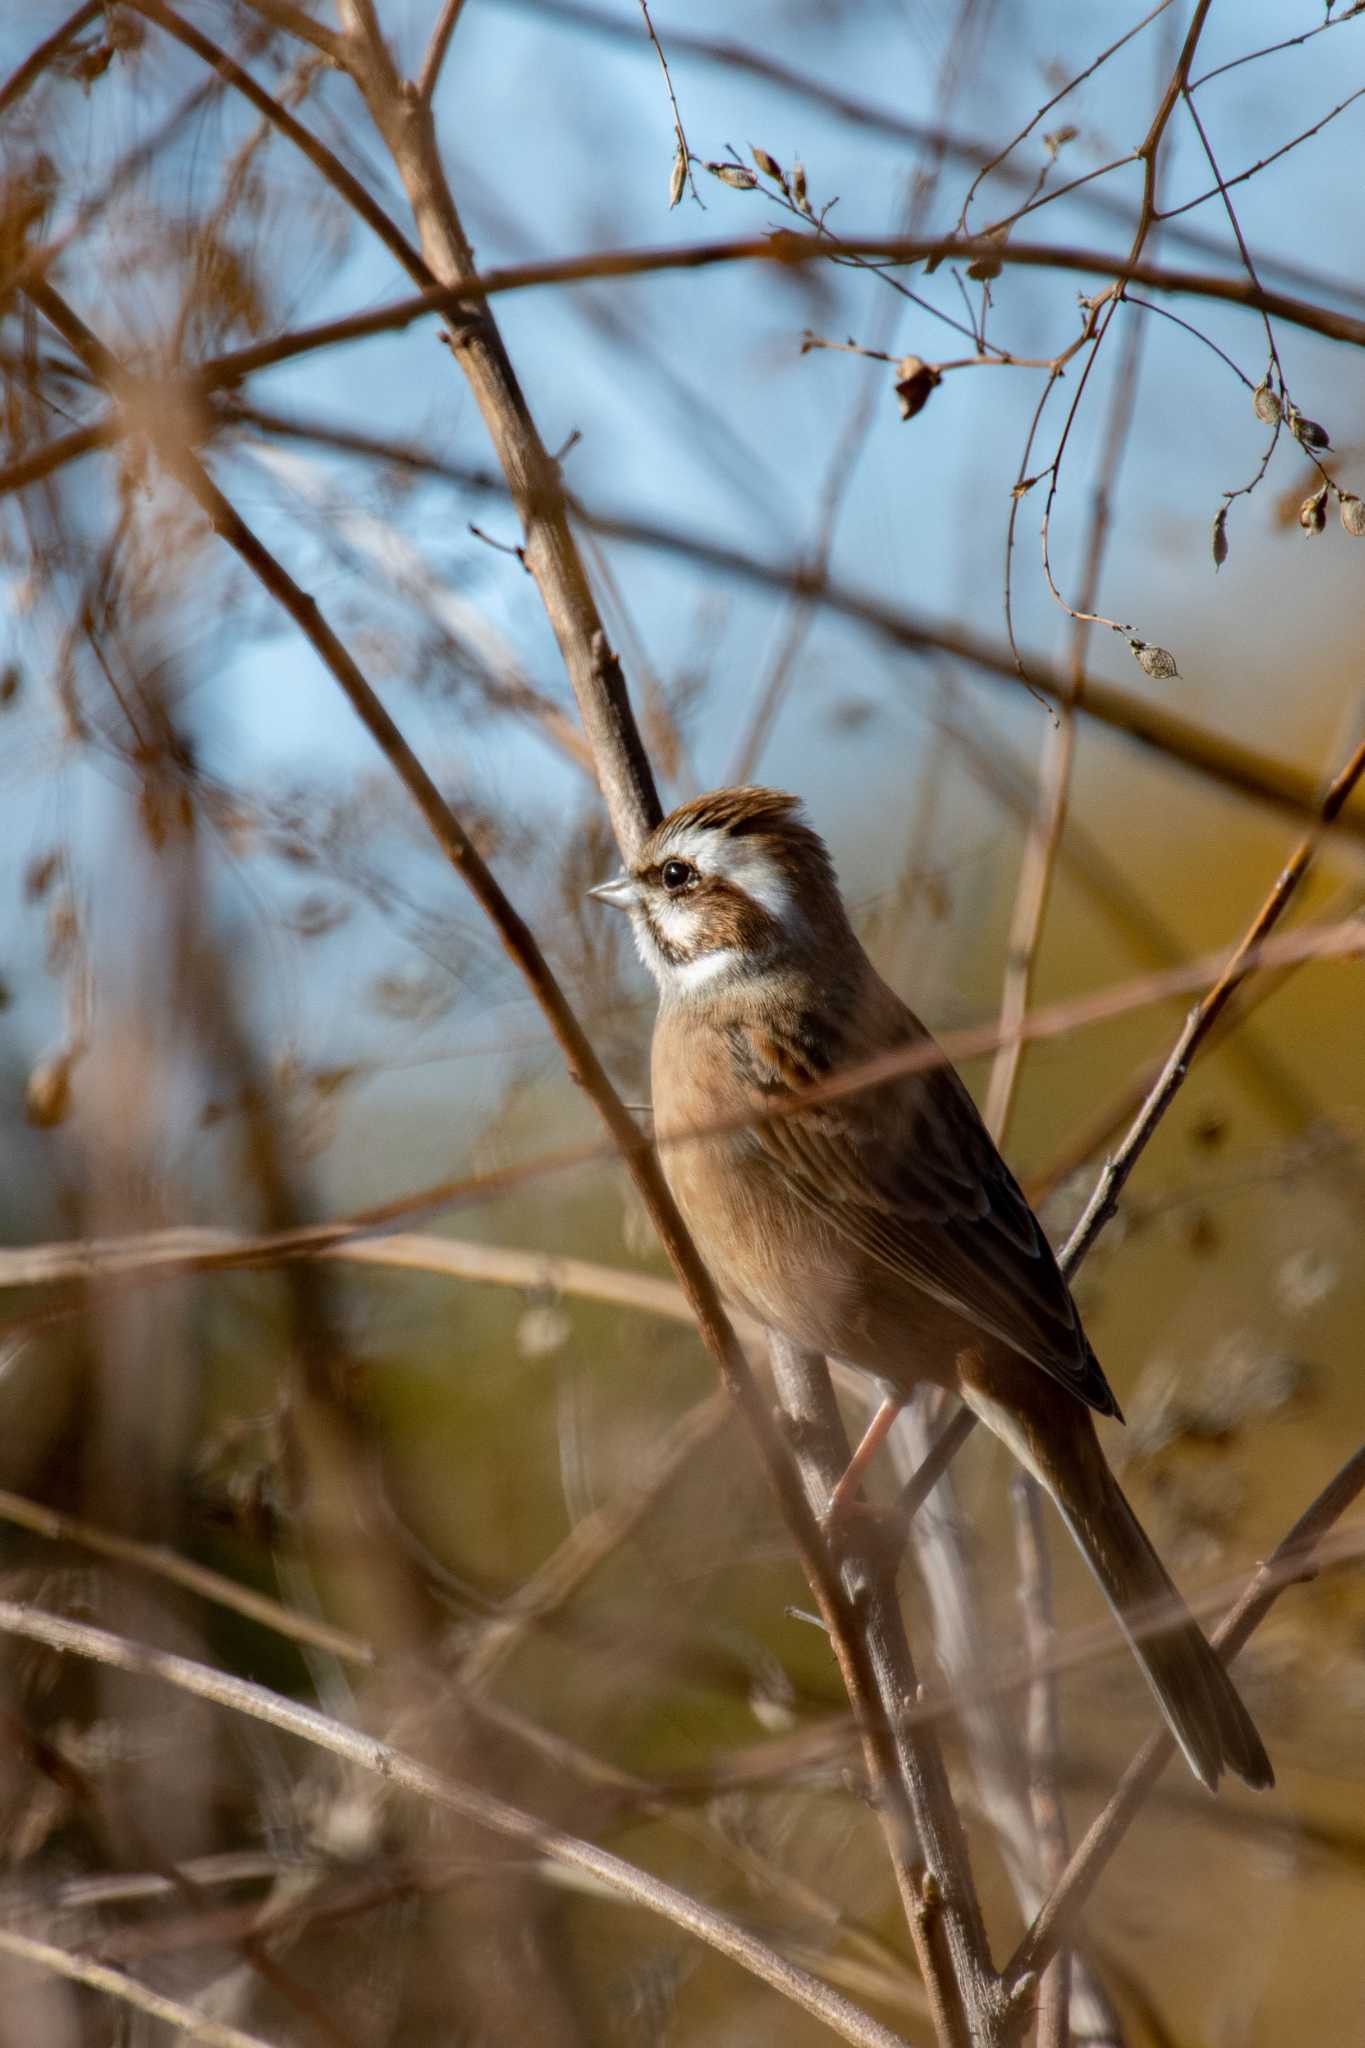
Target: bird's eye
{"points": [[676, 875]]}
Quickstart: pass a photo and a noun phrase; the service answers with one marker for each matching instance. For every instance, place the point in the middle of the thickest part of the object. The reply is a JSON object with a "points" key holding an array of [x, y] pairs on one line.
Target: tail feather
{"points": [[1201, 1706]]}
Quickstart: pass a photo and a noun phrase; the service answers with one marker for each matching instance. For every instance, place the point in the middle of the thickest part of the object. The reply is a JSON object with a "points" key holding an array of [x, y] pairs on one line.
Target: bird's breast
{"points": [[766, 1249]]}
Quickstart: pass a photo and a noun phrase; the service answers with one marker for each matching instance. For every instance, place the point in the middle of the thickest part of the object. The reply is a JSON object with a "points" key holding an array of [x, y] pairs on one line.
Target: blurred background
{"points": [[240, 992]]}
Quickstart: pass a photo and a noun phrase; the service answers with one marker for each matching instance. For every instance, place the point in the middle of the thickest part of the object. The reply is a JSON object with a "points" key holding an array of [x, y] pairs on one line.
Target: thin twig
{"points": [[1039, 864], [788, 250], [163, 1563], [435, 57], [1240, 769], [936, 140], [60, 1962], [1104, 1200], [1049, 1815], [683, 157], [1343, 940]]}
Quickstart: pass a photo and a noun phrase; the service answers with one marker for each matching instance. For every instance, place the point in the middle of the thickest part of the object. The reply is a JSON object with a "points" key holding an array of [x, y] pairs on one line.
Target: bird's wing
{"points": [[909, 1174]]}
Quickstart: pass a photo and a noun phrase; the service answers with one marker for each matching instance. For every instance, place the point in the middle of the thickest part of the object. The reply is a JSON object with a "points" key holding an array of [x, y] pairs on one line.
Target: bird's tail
{"points": [[1198, 1699]]}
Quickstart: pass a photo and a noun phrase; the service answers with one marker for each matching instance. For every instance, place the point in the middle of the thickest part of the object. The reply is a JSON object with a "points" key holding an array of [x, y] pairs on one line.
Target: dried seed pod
{"points": [[799, 186], [677, 183], [737, 175], [1307, 432], [47, 1098], [1220, 536], [1265, 404], [1157, 662], [915, 379], [1313, 511], [1352, 511], [769, 166]]}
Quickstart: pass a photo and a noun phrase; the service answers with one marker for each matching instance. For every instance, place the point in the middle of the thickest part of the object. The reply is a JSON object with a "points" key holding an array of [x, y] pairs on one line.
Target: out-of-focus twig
{"points": [[47, 52], [1240, 769], [1290, 1561], [117, 1984], [1049, 1816], [1205, 1015], [407, 1773], [165, 1563]]}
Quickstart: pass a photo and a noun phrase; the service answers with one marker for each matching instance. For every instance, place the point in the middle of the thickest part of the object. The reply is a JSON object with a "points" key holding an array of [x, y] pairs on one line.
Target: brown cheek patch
{"points": [[671, 953], [731, 919]]}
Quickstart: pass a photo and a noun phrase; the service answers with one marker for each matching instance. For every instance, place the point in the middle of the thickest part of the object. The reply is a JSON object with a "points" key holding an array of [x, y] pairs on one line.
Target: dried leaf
{"points": [[985, 267], [915, 380], [799, 186], [769, 166], [1220, 536]]}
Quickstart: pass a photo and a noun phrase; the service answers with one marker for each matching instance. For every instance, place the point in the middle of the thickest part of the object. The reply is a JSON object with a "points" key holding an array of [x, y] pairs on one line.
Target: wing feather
{"points": [[909, 1174]]}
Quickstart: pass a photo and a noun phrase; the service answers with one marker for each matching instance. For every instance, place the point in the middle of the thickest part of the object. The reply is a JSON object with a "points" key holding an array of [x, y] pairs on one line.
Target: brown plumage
{"points": [[883, 1228]]}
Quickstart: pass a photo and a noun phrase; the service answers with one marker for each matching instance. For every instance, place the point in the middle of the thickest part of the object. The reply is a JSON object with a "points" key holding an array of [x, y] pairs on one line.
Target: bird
{"points": [[881, 1226]]}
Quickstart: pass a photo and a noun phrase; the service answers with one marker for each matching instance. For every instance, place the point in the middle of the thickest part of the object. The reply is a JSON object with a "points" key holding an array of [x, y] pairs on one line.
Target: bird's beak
{"points": [[622, 892]]}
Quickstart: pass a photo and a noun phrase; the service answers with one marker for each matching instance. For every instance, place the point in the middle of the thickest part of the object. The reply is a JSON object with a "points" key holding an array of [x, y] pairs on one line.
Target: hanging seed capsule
{"points": [[1307, 432], [1266, 404], [1220, 536], [677, 183], [799, 186], [1157, 662], [1313, 511], [736, 175], [769, 166], [1352, 511]]}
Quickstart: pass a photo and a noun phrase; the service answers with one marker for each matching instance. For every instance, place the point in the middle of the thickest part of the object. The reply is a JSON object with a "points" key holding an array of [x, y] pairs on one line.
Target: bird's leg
{"points": [[845, 1493]]}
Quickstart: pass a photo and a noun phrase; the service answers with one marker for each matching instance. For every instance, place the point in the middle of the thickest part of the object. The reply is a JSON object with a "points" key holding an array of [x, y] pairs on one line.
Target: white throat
{"points": [[699, 973]]}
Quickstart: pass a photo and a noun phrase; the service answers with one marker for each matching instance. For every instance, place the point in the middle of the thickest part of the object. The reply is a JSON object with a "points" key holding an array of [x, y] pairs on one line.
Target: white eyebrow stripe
{"points": [[700, 844], [759, 878]]}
